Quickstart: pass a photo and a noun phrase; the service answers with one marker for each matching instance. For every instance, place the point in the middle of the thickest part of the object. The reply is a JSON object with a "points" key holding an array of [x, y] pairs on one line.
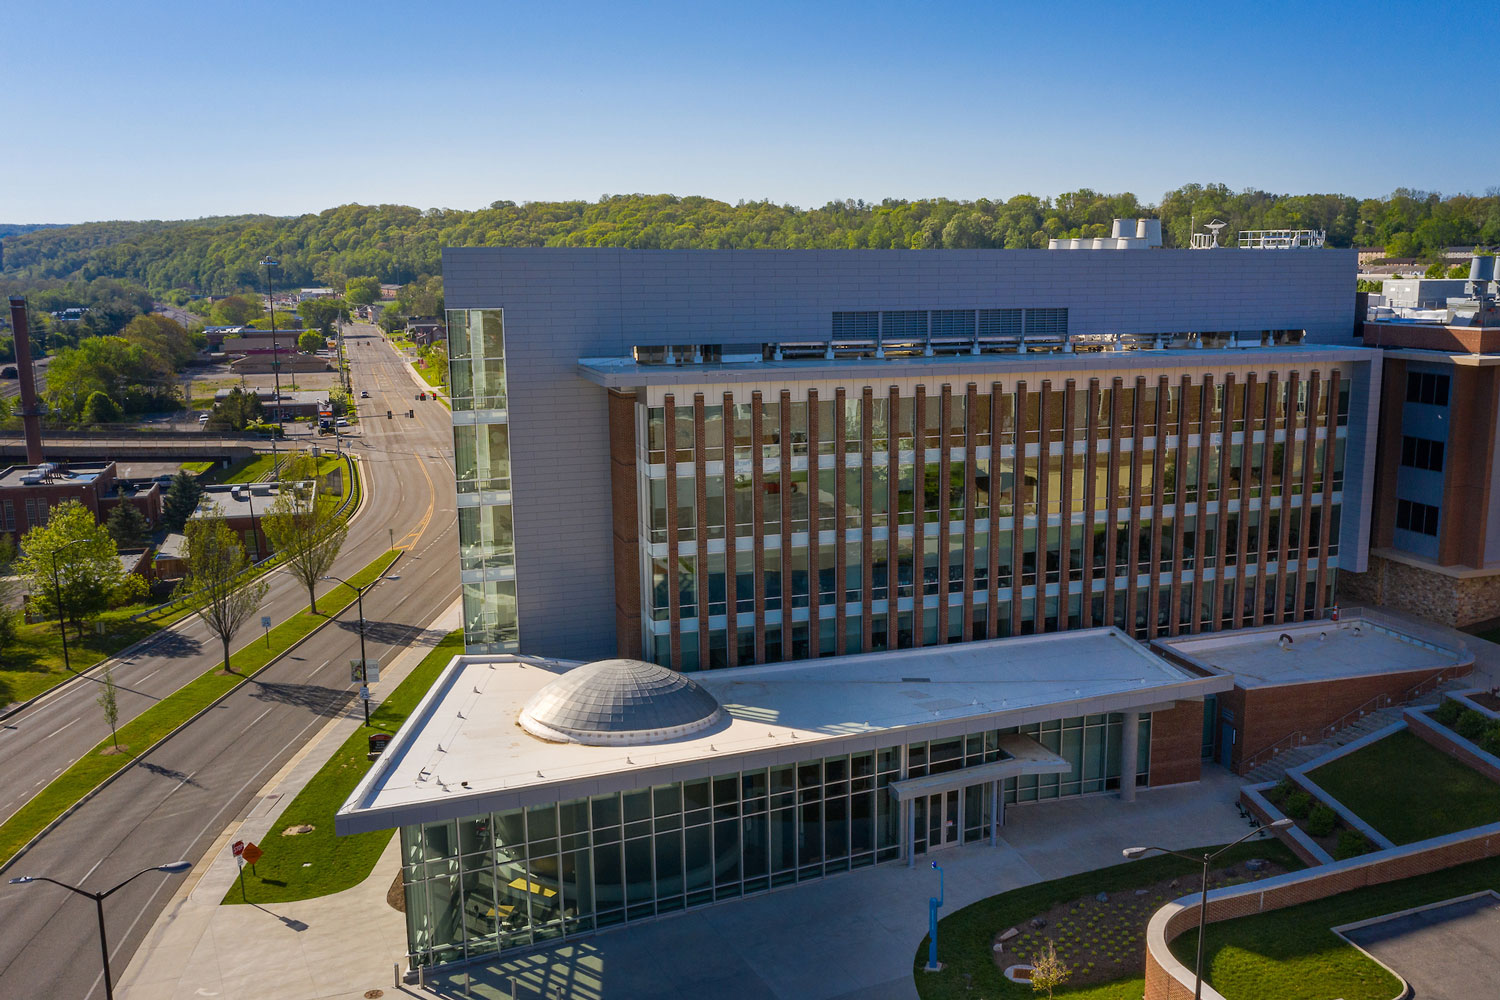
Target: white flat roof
{"points": [[1319, 651], [462, 752]]}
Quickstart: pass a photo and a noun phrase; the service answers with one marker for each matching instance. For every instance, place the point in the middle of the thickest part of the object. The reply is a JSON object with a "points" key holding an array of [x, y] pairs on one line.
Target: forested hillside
{"points": [[400, 244]]}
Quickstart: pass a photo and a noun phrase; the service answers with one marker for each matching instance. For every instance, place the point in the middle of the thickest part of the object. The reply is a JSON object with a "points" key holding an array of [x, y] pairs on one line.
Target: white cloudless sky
{"points": [[180, 110]]}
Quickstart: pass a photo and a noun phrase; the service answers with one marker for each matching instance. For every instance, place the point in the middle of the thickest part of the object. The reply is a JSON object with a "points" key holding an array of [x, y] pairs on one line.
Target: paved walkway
{"points": [[334, 947], [853, 937]]}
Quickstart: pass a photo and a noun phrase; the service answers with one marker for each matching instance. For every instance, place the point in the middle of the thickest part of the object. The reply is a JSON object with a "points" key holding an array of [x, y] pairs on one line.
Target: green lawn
{"points": [[34, 662], [197, 468], [964, 937], [1409, 790], [1292, 954], [337, 863], [167, 714]]}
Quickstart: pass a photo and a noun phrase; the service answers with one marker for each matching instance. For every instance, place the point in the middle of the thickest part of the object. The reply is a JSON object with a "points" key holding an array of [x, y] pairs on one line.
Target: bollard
{"points": [[396, 974]]}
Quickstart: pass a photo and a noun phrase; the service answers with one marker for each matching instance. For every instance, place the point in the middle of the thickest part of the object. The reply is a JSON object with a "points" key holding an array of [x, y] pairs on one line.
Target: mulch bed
{"points": [[1104, 940]]}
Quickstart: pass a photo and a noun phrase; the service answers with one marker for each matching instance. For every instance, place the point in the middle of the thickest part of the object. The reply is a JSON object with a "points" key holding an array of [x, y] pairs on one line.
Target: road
{"points": [[173, 802], [11, 387]]}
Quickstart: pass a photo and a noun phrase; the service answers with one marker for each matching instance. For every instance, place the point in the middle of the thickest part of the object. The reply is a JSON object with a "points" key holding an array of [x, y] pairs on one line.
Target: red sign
{"points": [[238, 848], [252, 853]]}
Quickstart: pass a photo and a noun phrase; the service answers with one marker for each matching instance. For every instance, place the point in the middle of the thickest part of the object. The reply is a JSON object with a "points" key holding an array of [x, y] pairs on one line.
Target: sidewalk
{"points": [[334, 947]]}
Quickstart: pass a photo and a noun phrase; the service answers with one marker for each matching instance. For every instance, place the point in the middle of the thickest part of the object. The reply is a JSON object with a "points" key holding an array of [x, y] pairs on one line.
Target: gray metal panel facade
{"points": [[562, 304]]}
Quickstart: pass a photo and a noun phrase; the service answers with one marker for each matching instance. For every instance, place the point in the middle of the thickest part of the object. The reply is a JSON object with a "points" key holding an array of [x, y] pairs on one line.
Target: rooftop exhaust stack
{"points": [[31, 413]]}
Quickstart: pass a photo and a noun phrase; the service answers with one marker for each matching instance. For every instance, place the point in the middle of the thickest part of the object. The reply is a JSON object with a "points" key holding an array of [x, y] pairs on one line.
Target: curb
{"points": [[66, 682], [328, 620]]}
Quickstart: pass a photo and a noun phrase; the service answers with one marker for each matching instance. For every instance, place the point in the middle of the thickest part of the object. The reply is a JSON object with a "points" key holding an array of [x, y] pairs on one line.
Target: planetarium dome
{"points": [[619, 703]]}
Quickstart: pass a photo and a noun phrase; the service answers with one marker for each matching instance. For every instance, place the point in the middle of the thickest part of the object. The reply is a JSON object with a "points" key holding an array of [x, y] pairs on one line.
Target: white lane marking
{"points": [[255, 720], [58, 730], [318, 667]]}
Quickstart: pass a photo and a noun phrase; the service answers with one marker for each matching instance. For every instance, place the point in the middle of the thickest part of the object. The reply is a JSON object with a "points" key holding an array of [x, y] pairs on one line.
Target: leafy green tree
{"points": [[305, 530], [311, 343], [100, 409], [1048, 972], [223, 599], [162, 336], [236, 310], [1401, 244], [341, 402], [109, 702], [361, 291], [9, 592], [88, 565], [181, 500], [235, 412], [128, 526], [8, 552], [1458, 271], [1437, 269], [322, 313], [136, 379]]}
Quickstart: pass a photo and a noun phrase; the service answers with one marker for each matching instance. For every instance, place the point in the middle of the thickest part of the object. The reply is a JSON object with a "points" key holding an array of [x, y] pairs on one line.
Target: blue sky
{"points": [[178, 109]]}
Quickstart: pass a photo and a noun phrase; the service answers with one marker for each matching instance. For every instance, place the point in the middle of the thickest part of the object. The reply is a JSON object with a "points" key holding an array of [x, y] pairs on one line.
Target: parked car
{"points": [[9, 371], [364, 394]]}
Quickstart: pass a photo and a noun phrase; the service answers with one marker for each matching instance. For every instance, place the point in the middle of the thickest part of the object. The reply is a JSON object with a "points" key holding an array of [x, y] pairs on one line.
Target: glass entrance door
{"points": [[943, 824]]}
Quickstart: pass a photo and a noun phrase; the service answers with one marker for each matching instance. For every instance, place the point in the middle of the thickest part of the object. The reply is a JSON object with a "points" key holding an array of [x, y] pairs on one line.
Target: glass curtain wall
{"points": [[481, 452], [497, 881], [842, 555]]}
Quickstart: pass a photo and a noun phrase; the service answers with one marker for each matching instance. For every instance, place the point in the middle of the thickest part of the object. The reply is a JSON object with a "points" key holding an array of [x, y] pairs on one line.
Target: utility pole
{"points": [[268, 263]]}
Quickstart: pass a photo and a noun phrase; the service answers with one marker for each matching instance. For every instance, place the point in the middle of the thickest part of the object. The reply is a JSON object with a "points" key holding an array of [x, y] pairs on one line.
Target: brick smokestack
{"points": [[31, 413]]}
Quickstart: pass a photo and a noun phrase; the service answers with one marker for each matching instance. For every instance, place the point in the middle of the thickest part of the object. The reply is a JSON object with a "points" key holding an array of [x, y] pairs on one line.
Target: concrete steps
{"points": [[1276, 767]]}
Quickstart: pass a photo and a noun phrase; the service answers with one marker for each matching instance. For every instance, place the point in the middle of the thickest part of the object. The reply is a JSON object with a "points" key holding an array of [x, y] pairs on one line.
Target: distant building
{"points": [[29, 492], [316, 293], [424, 330], [388, 292], [294, 403], [1435, 536]]}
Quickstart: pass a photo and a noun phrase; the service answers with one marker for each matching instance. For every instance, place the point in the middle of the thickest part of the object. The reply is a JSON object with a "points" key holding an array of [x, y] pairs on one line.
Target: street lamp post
{"points": [[1204, 859], [364, 667], [175, 868], [933, 903], [62, 622], [268, 263]]}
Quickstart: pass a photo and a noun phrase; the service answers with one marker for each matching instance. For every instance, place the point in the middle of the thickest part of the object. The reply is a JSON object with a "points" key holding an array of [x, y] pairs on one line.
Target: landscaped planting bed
{"points": [[1069, 905], [1409, 790], [1326, 828]]}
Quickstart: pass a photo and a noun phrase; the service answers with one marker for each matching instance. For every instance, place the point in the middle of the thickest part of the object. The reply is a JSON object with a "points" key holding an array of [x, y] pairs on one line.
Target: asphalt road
{"points": [[38, 743], [172, 803]]}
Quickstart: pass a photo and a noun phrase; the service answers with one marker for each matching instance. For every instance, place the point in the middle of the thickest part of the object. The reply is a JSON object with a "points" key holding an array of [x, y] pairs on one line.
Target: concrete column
{"points": [[996, 804], [1130, 748], [911, 833]]}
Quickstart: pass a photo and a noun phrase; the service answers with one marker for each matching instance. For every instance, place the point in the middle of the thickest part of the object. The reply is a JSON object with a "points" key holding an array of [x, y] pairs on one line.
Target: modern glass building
{"points": [[715, 458], [632, 809]]}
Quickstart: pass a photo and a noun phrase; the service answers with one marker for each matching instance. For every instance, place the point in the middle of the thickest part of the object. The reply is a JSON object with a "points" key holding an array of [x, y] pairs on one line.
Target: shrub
{"points": [[1448, 712], [1283, 788], [1471, 724], [1297, 804], [1320, 820], [1490, 741], [1351, 845]]}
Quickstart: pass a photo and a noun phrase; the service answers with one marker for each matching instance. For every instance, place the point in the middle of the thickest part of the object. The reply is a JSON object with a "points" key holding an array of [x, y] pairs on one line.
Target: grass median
{"points": [[142, 732], [317, 863]]}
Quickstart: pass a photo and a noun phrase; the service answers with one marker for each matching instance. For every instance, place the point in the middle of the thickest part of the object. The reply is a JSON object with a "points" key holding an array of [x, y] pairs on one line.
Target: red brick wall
{"points": [[625, 517], [1376, 869], [1437, 736], [1264, 715], [1177, 744]]}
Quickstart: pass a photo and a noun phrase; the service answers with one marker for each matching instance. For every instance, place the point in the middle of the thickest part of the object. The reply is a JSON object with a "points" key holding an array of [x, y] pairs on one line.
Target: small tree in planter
{"points": [[1047, 971]]}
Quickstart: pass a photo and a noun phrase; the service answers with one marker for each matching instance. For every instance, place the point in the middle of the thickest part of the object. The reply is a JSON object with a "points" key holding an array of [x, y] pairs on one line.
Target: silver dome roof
{"points": [[619, 703]]}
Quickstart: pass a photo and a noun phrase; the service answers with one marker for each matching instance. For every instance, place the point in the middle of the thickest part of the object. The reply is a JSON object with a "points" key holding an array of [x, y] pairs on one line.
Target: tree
{"points": [[361, 291], [138, 380], [1458, 271], [235, 412], [322, 313], [302, 526], [1048, 972], [100, 409], [162, 336], [128, 526], [181, 500], [341, 402], [9, 591], [216, 560], [108, 701], [89, 574], [311, 343], [236, 310]]}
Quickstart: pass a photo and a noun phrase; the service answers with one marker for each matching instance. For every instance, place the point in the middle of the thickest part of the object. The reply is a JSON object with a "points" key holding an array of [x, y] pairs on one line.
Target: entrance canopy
{"points": [[1023, 755]]}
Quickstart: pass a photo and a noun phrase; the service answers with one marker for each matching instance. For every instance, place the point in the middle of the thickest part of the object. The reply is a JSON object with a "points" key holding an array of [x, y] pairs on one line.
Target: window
{"points": [[7, 515], [1419, 517], [953, 323], [905, 324], [1426, 387], [1420, 453]]}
